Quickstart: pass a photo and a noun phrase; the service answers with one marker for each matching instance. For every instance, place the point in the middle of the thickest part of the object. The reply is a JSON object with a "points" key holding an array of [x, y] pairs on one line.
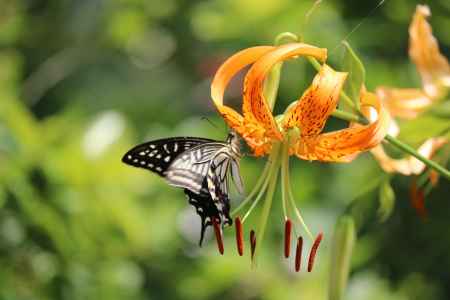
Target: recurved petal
{"points": [[255, 103], [404, 103], [343, 145], [424, 52], [317, 103], [232, 66], [221, 79], [408, 165]]}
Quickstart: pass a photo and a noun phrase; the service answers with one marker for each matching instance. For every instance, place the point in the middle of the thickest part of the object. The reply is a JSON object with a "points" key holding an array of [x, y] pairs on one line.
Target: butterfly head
{"points": [[234, 141]]}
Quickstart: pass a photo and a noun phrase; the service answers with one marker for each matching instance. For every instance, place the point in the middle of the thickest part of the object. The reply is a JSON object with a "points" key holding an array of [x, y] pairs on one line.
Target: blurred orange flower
{"points": [[408, 103], [432, 66]]}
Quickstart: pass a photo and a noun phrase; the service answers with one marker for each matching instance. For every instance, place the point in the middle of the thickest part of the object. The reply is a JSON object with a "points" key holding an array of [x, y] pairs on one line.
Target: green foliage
{"points": [[387, 200], [356, 75], [341, 253]]}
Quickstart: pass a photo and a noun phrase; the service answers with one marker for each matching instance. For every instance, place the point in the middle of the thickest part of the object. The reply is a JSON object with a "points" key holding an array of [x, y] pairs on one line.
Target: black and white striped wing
{"points": [[218, 182], [190, 168], [206, 208], [157, 155]]}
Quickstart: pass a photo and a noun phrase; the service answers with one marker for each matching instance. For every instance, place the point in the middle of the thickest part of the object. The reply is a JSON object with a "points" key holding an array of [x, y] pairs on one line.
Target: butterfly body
{"points": [[200, 166]]}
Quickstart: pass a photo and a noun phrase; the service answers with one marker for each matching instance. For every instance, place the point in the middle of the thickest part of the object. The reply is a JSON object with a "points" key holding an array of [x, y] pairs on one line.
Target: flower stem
{"points": [[396, 143], [273, 174], [408, 149], [261, 182]]}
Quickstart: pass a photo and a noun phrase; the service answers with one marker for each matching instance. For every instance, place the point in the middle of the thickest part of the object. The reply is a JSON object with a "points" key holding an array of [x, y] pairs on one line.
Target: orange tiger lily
{"points": [[260, 129], [296, 132]]}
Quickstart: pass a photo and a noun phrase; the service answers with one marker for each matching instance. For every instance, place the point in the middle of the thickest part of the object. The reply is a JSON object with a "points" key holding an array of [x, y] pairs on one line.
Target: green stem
{"points": [[396, 143], [272, 81], [269, 197], [347, 116], [261, 181], [408, 149]]}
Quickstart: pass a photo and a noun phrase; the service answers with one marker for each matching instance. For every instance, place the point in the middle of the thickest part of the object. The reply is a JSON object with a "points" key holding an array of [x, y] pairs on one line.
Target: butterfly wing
{"points": [[190, 168], [206, 208], [157, 155]]}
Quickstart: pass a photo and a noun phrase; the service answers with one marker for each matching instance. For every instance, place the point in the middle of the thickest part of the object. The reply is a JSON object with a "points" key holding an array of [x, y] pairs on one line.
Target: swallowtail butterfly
{"points": [[200, 166]]}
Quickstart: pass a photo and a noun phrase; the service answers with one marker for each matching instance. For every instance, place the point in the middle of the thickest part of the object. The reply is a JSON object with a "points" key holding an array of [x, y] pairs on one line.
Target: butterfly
{"points": [[198, 165]]}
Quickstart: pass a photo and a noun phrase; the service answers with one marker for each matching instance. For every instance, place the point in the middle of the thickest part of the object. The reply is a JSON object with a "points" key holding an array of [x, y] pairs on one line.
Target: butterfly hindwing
{"points": [[157, 155], [206, 208]]}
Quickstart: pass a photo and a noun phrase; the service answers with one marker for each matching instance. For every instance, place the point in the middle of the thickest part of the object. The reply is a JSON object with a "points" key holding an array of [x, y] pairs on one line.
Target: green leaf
{"points": [[341, 253], [356, 75], [387, 200]]}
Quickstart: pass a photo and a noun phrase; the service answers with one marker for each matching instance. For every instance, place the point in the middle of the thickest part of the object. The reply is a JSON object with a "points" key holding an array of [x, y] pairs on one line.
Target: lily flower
{"points": [[296, 132], [433, 67], [409, 103]]}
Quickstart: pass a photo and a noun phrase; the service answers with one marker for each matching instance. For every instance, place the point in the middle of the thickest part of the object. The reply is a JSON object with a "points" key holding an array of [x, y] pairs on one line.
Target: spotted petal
{"points": [[424, 52], [223, 76], [317, 103], [343, 145], [254, 101]]}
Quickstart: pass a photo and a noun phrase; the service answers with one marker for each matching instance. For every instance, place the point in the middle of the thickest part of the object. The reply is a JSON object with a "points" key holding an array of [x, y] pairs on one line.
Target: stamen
{"points": [[252, 242], [239, 236], [287, 238], [218, 234], [261, 181], [312, 254], [286, 186], [258, 197], [298, 254]]}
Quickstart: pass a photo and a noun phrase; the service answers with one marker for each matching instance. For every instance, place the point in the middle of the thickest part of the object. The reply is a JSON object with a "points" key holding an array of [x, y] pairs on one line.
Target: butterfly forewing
{"points": [[190, 168], [158, 155]]}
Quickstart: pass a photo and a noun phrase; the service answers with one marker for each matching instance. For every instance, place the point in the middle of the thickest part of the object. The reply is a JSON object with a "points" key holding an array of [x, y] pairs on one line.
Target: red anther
{"points": [[298, 254], [252, 242], [287, 238], [239, 236], [312, 254], [218, 233]]}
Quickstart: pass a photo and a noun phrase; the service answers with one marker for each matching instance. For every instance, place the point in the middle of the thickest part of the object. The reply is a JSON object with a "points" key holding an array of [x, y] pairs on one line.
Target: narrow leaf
{"points": [[387, 200], [356, 75], [341, 253]]}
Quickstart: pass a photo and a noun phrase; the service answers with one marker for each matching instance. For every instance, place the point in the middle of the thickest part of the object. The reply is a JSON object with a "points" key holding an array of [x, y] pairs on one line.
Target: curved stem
{"points": [[408, 149], [258, 198], [398, 144], [292, 200], [274, 156], [261, 181]]}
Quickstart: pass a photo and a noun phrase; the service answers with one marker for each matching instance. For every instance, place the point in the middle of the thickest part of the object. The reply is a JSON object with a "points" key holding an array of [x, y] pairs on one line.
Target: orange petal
{"points": [[317, 103], [424, 52], [221, 79], [343, 145], [404, 103], [408, 165], [254, 101]]}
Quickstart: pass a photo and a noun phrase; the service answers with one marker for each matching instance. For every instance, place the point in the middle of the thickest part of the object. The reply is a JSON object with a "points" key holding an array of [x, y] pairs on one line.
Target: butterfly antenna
{"points": [[210, 122], [358, 25]]}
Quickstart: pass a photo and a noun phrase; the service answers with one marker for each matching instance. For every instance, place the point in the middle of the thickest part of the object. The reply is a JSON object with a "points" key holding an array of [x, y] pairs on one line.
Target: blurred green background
{"points": [[81, 82]]}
